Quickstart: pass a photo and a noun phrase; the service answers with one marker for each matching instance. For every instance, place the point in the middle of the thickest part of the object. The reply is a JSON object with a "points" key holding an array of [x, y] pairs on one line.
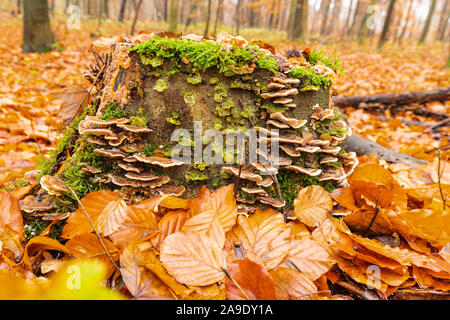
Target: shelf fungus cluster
{"points": [[153, 84]]}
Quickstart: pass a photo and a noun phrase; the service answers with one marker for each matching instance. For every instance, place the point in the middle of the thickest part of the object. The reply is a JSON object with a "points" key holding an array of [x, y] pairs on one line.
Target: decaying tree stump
{"points": [[161, 83]]}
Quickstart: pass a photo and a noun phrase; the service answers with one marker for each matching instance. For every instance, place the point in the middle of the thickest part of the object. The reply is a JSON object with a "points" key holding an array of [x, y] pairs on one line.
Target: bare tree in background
{"points": [[218, 15], [298, 19], [208, 18], [443, 21], [426, 27], [347, 19], [190, 17], [123, 5], [325, 16], [387, 23], [173, 16], [37, 34], [238, 15], [355, 18], [406, 22], [105, 8], [137, 7], [362, 33]]}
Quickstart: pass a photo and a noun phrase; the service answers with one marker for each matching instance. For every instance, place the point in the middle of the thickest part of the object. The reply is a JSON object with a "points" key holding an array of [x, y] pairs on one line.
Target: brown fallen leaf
{"points": [[193, 259], [312, 205], [292, 285], [10, 214], [112, 217], [94, 203], [170, 223], [37, 245], [263, 235], [252, 278]]}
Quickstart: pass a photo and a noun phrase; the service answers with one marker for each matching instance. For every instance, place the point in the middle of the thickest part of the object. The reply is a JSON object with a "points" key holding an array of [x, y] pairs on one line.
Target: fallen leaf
{"points": [[312, 205], [292, 285]]}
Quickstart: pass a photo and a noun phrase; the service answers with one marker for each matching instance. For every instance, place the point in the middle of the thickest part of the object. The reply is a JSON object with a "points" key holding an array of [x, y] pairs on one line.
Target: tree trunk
{"points": [[192, 9], [37, 34], [427, 22], [208, 18], [136, 15], [335, 26], [238, 16], [347, 19], [363, 27], [387, 23], [299, 19], [325, 18], [443, 21], [405, 26], [173, 16], [355, 18], [218, 15], [165, 12], [123, 5], [105, 8]]}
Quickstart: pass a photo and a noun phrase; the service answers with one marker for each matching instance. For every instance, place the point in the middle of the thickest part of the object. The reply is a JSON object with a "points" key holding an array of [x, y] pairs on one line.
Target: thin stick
{"points": [[375, 215], [439, 179], [236, 284], [277, 186], [95, 230], [238, 179]]}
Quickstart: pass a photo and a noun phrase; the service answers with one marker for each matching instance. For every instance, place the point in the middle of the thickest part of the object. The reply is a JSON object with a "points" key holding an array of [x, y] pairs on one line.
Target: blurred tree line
{"points": [[373, 21]]}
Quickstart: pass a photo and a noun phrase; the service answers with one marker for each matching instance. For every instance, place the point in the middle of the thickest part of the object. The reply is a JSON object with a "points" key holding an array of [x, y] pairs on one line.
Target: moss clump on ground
{"points": [[310, 78], [331, 62], [290, 185], [113, 112], [34, 227], [206, 54]]}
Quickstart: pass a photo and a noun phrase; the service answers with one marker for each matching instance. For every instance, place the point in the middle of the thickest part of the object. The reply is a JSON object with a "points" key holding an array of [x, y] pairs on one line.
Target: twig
{"points": [[439, 178], [238, 179], [277, 186], [236, 284], [95, 230], [375, 214]]}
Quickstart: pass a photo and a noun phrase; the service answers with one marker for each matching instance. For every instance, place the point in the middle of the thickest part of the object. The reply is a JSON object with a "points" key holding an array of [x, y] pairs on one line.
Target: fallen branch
{"points": [[395, 99], [363, 146]]}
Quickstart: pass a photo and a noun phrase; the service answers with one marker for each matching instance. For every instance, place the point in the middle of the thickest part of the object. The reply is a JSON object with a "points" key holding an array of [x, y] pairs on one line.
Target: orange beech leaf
{"points": [[10, 241], [169, 202], [10, 214], [74, 101], [193, 259], [94, 203], [344, 196], [211, 292], [22, 192], [153, 264], [298, 229], [137, 223], [312, 205], [141, 282], [309, 258], [292, 285], [424, 280], [222, 202], [403, 256], [359, 220], [206, 222], [253, 279], [37, 245], [88, 245], [112, 217], [264, 235], [170, 223]]}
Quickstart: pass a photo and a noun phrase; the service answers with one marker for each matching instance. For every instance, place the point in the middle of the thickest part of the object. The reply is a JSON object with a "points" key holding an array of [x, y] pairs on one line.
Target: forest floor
{"points": [[31, 89]]}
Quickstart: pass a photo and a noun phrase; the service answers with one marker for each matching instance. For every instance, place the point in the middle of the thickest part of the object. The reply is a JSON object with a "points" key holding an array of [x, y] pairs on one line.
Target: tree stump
{"points": [[156, 84]]}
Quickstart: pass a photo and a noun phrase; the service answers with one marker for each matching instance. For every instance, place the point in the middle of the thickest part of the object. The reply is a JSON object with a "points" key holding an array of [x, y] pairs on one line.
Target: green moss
{"points": [[218, 124], [152, 60], [310, 78], [214, 80], [138, 121], [113, 111], [195, 175], [149, 149], [194, 79], [331, 62], [290, 184], [161, 85], [174, 119], [273, 108], [189, 96], [206, 54], [37, 225]]}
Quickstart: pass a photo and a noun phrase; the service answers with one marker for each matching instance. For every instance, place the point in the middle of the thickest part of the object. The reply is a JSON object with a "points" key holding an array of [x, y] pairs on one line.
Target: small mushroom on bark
{"points": [[53, 185], [85, 127], [257, 191], [328, 159], [171, 190], [277, 124], [141, 176], [292, 122], [308, 149], [91, 170], [129, 167], [110, 153], [276, 203], [280, 93], [134, 129], [290, 151], [332, 150], [158, 161], [101, 122], [32, 204], [309, 171], [244, 174]]}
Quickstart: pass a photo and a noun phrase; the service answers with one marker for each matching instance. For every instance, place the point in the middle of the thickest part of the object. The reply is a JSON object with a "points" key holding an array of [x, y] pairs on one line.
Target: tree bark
{"points": [[37, 34], [427, 22], [105, 8], [298, 19], [347, 19], [443, 21], [355, 18], [363, 27], [123, 5], [191, 11], [173, 16], [386, 25]]}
